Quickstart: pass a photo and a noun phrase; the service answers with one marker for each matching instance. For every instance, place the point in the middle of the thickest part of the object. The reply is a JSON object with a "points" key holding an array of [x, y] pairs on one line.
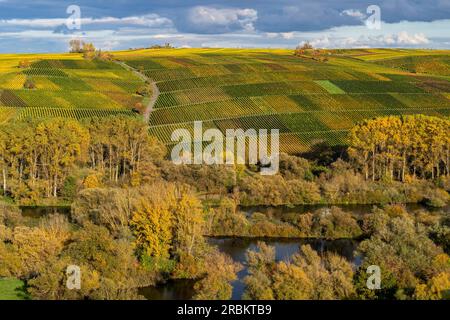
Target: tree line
{"points": [[389, 160], [402, 147], [38, 156]]}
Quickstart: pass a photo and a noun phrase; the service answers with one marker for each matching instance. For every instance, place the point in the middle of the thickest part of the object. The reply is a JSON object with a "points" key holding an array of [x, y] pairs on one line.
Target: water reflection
{"points": [[236, 248], [355, 209], [181, 289], [39, 212]]}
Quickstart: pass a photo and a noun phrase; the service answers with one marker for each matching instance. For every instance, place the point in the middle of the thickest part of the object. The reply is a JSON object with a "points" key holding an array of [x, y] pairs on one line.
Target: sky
{"points": [[48, 26]]}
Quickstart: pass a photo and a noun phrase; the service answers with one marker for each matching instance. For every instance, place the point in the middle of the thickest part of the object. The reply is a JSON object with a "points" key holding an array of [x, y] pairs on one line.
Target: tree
{"points": [[398, 147], [88, 50], [23, 64], [31, 248], [76, 46], [258, 282], [303, 49], [437, 288], [29, 84], [221, 271], [109, 269], [108, 207], [152, 222], [401, 248], [62, 143], [36, 156], [189, 223], [121, 147], [305, 276]]}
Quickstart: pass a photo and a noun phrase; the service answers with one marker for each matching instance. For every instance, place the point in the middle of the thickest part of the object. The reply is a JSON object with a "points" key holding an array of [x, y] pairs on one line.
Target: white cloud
{"points": [[387, 40], [417, 38], [149, 20], [353, 13], [283, 35], [272, 35], [222, 20], [287, 35]]}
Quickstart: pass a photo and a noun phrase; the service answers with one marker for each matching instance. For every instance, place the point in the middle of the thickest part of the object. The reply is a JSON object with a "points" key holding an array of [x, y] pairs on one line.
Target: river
{"points": [[236, 247]]}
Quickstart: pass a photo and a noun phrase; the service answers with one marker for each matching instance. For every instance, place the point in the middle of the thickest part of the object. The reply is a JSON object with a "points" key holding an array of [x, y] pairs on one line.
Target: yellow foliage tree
{"points": [[91, 181]]}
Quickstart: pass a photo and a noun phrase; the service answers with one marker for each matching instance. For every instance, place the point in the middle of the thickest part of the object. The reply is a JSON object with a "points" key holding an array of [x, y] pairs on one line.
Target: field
{"points": [[309, 101], [10, 289], [64, 85]]}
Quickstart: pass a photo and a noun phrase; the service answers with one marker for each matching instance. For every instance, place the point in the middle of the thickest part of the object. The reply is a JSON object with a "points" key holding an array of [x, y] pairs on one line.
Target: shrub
{"points": [[143, 91], [23, 64], [29, 84]]}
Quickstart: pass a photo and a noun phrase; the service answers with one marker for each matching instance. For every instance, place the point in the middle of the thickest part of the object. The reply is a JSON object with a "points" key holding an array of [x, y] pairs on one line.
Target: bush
{"points": [[69, 189], [143, 91], [436, 198], [23, 64], [29, 84]]}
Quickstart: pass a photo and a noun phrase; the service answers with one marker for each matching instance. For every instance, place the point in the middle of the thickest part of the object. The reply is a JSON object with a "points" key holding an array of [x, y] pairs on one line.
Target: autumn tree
{"points": [[401, 248], [108, 207], [189, 223], [109, 269], [76, 46], [62, 143], [23, 64], [37, 156], [305, 276], [221, 271], [394, 147], [121, 147], [152, 222]]}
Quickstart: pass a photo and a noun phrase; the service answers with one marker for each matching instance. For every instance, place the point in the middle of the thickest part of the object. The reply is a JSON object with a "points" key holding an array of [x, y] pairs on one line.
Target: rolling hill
{"points": [[308, 100], [64, 85]]}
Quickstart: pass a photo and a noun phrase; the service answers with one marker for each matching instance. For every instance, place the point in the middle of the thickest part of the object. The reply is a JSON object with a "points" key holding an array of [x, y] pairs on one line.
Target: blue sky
{"points": [[41, 25]]}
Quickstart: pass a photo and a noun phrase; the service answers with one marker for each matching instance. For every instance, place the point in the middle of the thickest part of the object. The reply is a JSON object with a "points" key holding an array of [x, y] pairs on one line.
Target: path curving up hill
{"points": [[155, 90]]}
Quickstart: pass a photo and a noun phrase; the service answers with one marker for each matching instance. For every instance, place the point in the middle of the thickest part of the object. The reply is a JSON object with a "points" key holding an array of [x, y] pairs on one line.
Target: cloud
{"points": [[149, 20], [283, 35], [203, 19], [313, 15], [401, 39], [405, 38], [354, 14], [287, 35]]}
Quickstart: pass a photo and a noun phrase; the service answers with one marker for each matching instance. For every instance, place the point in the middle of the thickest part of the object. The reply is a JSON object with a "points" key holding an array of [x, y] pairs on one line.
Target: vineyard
{"points": [[309, 101], [65, 85]]}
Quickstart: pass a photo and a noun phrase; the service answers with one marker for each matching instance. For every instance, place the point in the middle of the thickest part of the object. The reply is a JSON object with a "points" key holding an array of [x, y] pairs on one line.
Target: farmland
{"points": [[309, 101], [64, 85]]}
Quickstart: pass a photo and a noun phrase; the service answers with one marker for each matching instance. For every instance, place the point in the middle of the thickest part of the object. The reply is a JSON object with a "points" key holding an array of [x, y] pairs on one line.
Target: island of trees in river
{"points": [[137, 220]]}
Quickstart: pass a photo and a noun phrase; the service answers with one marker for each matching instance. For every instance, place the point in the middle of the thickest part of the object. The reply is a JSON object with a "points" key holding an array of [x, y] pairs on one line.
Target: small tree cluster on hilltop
{"points": [[88, 50], [23, 64], [306, 49], [159, 46]]}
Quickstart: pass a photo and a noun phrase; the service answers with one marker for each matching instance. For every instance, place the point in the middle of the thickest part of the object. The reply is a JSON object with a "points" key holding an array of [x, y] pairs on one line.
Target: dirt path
{"points": [[148, 101]]}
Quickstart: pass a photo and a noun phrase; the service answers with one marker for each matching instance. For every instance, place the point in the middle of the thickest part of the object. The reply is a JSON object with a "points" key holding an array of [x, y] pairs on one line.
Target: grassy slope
{"points": [[308, 101], [10, 289], [66, 85]]}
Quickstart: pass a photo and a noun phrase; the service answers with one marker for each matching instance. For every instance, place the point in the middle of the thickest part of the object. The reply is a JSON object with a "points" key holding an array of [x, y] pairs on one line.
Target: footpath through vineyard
{"points": [[149, 103]]}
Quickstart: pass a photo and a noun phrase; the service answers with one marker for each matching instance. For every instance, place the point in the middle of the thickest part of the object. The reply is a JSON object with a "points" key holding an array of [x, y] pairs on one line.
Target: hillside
{"points": [[64, 85], [309, 101]]}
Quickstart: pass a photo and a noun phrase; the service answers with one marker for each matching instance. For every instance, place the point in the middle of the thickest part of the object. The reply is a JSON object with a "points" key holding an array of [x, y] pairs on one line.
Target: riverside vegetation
{"points": [[137, 219], [357, 127]]}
